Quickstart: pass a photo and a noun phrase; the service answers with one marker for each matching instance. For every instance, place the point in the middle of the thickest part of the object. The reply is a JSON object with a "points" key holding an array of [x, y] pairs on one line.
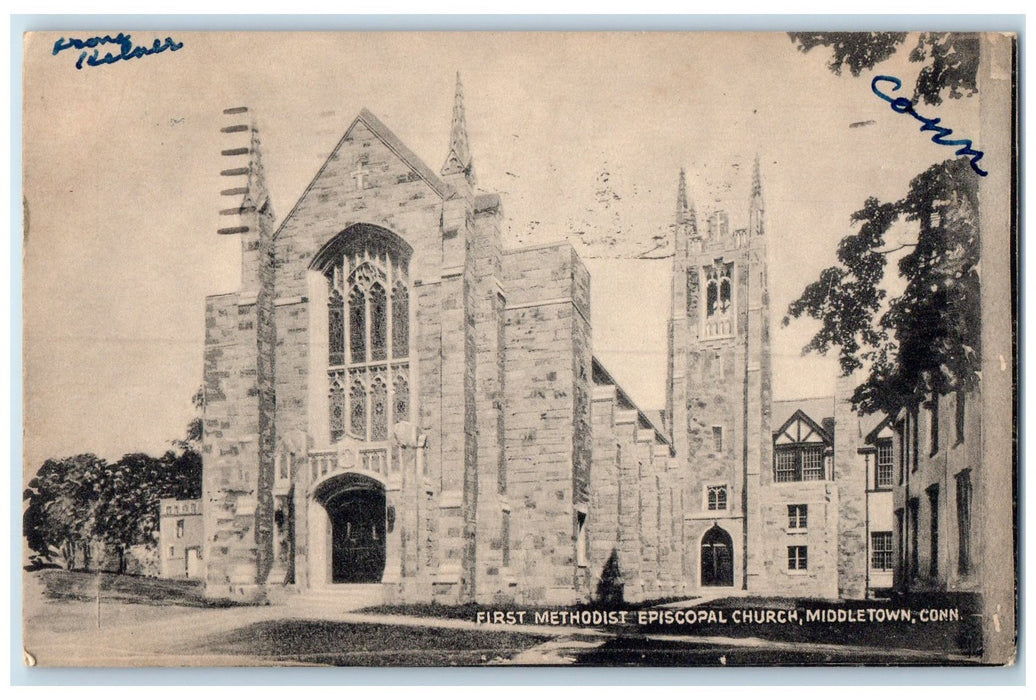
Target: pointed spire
{"points": [[757, 184], [458, 159], [681, 198], [755, 215], [686, 217]]}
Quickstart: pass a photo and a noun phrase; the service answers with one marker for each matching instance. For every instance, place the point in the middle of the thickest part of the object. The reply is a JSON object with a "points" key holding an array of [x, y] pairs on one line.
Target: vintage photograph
{"points": [[519, 348]]}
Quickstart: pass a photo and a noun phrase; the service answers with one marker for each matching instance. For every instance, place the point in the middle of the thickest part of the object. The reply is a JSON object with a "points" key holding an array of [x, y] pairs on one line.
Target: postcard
{"points": [[472, 348]]}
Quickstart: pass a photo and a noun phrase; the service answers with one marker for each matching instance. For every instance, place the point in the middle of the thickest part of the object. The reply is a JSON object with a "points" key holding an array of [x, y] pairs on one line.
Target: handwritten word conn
{"points": [[902, 105], [126, 49]]}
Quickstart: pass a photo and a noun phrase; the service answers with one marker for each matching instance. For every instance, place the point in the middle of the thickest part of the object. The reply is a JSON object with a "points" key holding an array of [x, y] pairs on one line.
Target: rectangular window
{"points": [[933, 424], [913, 519], [581, 540], [883, 470], [933, 541], [787, 467], [797, 517], [881, 551], [813, 464], [172, 551], [958, 419], [505, 538], [717, 438], [717, 497], [800, 463], [797, 558], [179, 529], [964, 522]]}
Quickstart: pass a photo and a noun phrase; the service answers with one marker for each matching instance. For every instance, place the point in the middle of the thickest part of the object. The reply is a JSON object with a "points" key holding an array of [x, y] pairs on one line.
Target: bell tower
{"points": [[719, 392]]}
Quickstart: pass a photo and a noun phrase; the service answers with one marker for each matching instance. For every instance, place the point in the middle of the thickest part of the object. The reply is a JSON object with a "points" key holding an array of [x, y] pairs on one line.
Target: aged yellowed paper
{"points": [[406, 349]]}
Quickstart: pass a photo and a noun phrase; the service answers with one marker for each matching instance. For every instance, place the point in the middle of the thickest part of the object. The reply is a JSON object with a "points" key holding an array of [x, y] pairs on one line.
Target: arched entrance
{"points": [[356, 514], [717, 558]]}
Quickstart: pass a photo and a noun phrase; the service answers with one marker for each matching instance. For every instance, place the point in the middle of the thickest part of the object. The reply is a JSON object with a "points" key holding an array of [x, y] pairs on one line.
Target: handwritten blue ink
{"points": [[126, 49], [902, 105]]}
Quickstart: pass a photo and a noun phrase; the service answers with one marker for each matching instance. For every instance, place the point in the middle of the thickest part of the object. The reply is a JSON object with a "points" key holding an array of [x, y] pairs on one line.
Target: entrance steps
{"points": [[338, 598]]}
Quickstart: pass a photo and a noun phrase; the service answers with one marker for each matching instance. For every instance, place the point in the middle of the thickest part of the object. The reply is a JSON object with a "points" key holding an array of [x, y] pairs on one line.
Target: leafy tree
{"points": [[858, 51], [182, 474], [127, 506], [75, 501], [192, 439], [950, 58], [926, 339], [58, 521]]}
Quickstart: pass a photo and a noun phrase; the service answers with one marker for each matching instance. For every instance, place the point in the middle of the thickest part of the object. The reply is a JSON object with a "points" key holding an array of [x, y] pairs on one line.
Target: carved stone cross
{"points": [[359, 174]]}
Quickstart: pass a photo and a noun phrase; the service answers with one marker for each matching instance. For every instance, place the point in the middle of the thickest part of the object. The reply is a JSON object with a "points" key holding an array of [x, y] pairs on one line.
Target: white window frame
{"points": [[798, 560], [798, 522]]}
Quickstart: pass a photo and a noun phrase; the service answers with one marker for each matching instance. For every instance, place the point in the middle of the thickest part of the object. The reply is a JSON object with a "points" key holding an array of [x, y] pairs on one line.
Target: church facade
{"points": [[395, 399]]}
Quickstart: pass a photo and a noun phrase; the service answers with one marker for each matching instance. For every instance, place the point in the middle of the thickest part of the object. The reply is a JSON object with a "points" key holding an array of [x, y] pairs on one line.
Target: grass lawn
{"points": [[60, 584], [344, 644], [633, 651]]}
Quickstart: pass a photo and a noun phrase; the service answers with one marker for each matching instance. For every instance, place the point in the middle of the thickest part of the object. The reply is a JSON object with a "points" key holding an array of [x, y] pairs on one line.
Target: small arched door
{"points": [[717, 558]]}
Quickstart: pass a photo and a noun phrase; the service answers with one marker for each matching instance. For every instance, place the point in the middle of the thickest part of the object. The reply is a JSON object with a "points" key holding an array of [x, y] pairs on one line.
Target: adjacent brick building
{"points": [[395, 398]]}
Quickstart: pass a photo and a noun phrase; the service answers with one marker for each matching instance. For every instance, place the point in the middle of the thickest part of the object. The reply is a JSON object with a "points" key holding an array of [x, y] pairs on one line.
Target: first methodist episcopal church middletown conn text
{"points": [[396, 403]]}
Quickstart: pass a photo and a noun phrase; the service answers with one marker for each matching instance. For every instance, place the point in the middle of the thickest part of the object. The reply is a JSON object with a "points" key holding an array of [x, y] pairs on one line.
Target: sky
{"points": [[582, 134]]}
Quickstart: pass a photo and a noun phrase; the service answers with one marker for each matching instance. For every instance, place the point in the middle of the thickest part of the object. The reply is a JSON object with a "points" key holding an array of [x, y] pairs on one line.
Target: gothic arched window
{"points": [[401, 391], [358, 325], [719, 300], [379, 406], [400, 319], [379, 322], [337, 407], [724, 294], [368, 336], [336, 329]]}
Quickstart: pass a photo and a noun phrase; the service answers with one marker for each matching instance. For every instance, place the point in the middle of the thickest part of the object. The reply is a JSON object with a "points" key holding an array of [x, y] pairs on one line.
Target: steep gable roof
{"points": [[874, 434], [800, 428], [392, 142]]}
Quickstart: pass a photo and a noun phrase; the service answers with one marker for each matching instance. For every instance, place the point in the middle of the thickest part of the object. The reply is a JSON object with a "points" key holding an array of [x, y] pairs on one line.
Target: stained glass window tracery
{"points": [[369, 332]]}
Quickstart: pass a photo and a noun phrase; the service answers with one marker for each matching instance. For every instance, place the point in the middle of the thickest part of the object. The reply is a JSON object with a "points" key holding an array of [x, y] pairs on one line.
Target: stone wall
{"points": [[600, 578], [494, 583], [634, 523], [230, 448], [850, 474], [820, 537], [546, 336]]}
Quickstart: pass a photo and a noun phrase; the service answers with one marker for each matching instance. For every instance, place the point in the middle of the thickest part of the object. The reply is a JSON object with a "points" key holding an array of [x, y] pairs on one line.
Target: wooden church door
{"points": [[717, 558]]}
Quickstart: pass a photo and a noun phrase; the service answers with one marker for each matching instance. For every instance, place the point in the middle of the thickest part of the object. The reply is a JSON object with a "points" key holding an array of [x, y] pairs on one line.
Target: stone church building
{"points": [[395, 399]]}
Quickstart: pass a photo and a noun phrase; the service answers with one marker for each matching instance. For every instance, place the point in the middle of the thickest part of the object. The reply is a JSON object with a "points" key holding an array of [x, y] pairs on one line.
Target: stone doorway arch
{"points": [[717, 558], [358, 526]]}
